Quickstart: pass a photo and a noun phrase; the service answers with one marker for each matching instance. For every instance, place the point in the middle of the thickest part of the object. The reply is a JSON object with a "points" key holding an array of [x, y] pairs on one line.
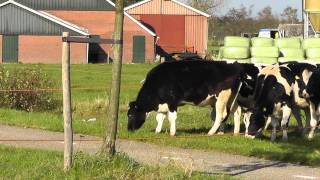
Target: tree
{"points": [[108, 147], [208, 6], [290, 15], [266, 19]]}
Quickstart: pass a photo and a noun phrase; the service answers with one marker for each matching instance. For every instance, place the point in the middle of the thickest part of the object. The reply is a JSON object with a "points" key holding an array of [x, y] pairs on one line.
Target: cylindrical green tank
{"points": [[314, 6]]}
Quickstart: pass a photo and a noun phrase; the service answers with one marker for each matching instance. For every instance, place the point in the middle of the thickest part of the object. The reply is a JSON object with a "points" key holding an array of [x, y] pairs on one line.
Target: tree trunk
{"points": [[108, 148]]}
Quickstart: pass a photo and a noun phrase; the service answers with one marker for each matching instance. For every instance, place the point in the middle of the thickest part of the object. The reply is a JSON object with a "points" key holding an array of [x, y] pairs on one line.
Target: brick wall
{"points": [[102, 23], [48, 49]]}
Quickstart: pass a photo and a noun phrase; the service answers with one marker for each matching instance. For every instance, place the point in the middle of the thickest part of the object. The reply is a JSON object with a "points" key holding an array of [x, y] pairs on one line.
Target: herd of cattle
{"points": [[264, 94]]}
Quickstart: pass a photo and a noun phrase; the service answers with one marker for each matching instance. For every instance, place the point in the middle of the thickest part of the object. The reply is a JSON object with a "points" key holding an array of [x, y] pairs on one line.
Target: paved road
{"points": [[199, 160]]}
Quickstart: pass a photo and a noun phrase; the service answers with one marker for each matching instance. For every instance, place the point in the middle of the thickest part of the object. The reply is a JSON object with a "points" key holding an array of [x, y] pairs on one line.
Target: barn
{"points": [[178, 26], [30, 31]]}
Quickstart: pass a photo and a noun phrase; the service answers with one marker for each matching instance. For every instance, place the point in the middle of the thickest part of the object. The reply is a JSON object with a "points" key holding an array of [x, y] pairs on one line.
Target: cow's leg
{"points": [[160, 118], [274, 123], [297, 116], [286, 112], [237, 120], [267, 123], [172, 116], [221, 110], [307, 123], [313, 120], [246, 120]]}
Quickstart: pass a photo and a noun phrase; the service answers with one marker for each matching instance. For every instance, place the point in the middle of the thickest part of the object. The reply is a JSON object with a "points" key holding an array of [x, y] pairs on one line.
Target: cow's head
{"points": [[249, 78], [313, 86], [257, 122], [268, 93], [136, 116]]}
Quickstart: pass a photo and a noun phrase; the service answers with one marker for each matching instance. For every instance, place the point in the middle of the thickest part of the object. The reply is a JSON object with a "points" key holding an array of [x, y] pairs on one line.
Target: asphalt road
{"points": [[150, 154]]}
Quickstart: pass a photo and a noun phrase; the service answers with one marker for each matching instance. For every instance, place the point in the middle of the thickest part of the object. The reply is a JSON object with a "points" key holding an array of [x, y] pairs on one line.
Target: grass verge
{"points": [[16, 163]]}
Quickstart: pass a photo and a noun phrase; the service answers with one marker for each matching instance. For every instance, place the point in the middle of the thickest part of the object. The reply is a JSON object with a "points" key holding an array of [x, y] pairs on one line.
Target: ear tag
{"points": [[297, 77]]}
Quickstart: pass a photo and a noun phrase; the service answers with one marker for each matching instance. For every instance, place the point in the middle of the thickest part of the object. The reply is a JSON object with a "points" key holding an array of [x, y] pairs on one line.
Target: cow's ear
{"points": [[132, 104]]}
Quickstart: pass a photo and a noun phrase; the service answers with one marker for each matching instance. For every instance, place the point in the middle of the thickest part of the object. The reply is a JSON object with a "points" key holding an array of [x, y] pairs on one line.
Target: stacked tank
{"points": [[290, 49], [236, 48], [312, 48], [263, 51]]}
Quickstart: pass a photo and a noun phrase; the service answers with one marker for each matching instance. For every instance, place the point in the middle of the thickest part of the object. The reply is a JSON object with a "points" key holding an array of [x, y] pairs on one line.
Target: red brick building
{"points": [[30, 31], [179, 26]]}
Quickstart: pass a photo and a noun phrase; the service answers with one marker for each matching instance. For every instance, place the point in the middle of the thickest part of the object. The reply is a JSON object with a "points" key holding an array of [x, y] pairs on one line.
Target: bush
{"points": [[18, 90]]}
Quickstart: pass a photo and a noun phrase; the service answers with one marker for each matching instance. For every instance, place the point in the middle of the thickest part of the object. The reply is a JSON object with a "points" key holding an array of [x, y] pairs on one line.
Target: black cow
{"points": [[172, 84]]}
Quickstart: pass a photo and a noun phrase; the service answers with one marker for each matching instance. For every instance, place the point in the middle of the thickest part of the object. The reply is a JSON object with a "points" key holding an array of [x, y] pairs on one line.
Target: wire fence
{"points": [[59, 90]]}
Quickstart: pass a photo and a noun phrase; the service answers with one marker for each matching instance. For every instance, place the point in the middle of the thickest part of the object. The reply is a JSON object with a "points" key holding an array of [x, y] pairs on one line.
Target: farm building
{"points": [[179, 26], [30, 31]]}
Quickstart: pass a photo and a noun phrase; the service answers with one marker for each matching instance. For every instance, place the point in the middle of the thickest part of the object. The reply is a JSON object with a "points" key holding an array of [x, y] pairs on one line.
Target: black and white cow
{"points": [[272, 99], [312, 93], [173, 84], [279, 92]]}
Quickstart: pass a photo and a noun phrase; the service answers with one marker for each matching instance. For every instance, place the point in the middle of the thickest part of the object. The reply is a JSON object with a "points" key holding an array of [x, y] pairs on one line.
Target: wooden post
{"points": [[108, 147], [108, 58], [67, 115]]}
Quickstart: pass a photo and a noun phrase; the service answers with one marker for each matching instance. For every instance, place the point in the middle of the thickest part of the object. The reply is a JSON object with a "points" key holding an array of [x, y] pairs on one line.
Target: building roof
{"points": [[39, 19], [175, 1], [61, 22], [75, 5], [135, 21]]}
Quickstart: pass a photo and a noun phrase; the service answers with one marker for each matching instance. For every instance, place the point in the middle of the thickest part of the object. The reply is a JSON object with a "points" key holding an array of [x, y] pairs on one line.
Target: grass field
{"points": [[35, 164], [192, 121]]}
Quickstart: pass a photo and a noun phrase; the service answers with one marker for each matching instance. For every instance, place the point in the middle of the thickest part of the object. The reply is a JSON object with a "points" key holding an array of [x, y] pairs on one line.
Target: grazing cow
{"points": [[272, 98], [279, 93], [173, 84]]}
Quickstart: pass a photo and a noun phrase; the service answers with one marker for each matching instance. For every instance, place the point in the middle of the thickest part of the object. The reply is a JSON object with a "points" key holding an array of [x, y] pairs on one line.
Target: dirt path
{"points": [[199, 160]]}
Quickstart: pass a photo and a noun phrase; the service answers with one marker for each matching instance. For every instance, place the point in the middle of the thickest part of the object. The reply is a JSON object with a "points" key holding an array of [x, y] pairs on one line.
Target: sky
{"points": [[277, 5]]}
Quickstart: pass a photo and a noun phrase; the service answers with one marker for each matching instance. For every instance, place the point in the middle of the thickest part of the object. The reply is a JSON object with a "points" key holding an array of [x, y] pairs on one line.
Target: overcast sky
{"points": [[277, 5]]}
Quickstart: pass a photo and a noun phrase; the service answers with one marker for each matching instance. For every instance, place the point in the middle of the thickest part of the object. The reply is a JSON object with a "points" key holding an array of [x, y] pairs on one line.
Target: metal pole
{"points": [[67, 116], [305, 21]]}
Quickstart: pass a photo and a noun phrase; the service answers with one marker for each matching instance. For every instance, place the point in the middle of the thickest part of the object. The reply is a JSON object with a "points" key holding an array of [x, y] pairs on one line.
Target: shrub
{"points": [[20, 90]]}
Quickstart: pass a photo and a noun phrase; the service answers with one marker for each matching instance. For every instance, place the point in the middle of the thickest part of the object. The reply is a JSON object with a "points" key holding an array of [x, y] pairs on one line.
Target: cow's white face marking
{"points": [[306, 76], [163, 108], [249, 77], [301, 102]]}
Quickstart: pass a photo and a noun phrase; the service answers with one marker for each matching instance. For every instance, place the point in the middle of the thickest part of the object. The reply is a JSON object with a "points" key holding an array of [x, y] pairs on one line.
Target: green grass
{"points": [[192, 121], [16, 163]]}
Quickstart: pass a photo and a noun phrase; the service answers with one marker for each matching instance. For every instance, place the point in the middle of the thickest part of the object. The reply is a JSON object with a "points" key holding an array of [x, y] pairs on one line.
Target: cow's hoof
{"points": [[220, 133], [172, 134], [310, 137], [285, 138], [210, 133], [236, 134], [249, 136]]}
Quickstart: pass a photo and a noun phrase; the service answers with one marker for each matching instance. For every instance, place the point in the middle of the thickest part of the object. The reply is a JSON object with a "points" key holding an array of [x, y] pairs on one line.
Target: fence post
{"points": [[67, 116]]}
